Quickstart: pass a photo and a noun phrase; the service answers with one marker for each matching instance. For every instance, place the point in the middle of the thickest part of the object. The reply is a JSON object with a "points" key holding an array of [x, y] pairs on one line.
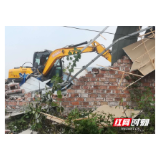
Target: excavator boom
{"points": [[60, 53]]}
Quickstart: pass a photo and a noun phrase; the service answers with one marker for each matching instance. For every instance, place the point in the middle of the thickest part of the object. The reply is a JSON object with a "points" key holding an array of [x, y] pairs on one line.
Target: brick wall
{"points": [[98, 87]]}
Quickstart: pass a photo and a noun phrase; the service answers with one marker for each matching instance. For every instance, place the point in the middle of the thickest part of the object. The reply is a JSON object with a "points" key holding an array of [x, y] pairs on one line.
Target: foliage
{"points": [[18, 124], [145, 101], [73, 58]]}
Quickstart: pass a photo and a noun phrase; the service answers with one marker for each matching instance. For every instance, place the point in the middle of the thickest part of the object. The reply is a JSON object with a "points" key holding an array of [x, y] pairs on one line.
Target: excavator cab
{"points": [[39, 61]]}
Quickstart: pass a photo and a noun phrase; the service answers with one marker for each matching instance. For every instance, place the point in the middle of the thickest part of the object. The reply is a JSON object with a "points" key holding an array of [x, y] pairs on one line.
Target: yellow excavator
{"points": [[48, 63]]}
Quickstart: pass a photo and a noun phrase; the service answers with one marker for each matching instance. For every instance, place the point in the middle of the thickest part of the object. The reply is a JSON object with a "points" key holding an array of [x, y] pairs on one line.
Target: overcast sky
{"points": [[22, 42]]}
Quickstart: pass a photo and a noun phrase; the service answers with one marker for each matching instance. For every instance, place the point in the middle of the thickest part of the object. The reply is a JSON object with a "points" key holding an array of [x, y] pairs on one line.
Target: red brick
{"points": [[126, 61], [102, 95], [95, 87], [109, 99], [114, 83], [70, 91], [12, 103], [102, 79], [100, 99], [85, 87], [112, 79], [84, 95], [65, 103], [95, 70], [126, 91], [89, 91], [108, 91], [117, 75], [112, 72], [89, 75], [111, 95], [127, 69], [84, 103], [122, 95], [118, 99], [119, 61], [125, 57], [79, 99], [75, 103], [70, 99], [100, 75], [83, 79], [102, 71], [80, 91], [22, 103], [93, 79], [80, 83], [118, 91], [119, 72], [100, 91], [69, 106], [124, 103], [103, 87], [59, 99], [115, 64], [76, 87], [90, 83], [99, 83], [74, 95], [116, 67], [95, 103], [112, 87], [93, 95], [90, 99]]}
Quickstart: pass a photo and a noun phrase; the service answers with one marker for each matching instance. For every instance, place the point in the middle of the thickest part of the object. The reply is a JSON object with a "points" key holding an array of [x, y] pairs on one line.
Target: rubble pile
{"points": [[17, 100]]}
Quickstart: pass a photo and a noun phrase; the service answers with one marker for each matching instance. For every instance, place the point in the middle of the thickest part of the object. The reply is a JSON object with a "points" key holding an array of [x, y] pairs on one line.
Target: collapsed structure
{"points": [[102, 85]]}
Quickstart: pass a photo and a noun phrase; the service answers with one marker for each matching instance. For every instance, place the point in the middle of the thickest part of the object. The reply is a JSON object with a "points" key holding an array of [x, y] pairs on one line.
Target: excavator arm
{"points": [[60, 53]]}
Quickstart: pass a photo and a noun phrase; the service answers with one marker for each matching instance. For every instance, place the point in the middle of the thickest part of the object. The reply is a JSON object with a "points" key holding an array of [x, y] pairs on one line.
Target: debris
{"points": [[33, 84], [142, 53], [117, 111]]}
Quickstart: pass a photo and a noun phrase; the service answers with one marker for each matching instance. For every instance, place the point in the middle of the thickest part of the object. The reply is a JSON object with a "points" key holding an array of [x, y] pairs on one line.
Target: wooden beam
{"points": [[102, 36], [121, 79], [132, 83]]}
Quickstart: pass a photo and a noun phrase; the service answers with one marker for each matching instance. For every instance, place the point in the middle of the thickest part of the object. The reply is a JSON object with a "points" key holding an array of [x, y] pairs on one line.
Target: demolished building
{"points": [[101, 86]]}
